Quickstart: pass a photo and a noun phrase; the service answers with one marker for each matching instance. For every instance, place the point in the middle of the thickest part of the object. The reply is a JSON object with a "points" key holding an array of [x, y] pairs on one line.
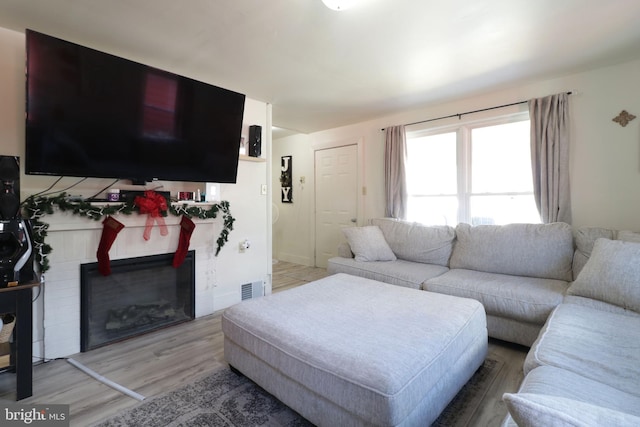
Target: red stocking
{"points": [[186, 228], [109, 232]]}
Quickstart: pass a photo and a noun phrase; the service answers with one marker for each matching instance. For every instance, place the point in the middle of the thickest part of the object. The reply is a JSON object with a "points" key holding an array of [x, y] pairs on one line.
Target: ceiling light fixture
{"points": [[338, 4]]}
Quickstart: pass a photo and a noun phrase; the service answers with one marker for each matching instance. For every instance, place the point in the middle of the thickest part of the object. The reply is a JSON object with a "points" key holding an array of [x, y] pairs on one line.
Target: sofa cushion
{"points": [[585, 238], [344, 250], [599, 345], [598, 305], [535, 410], [511, 330], [415, 242], [553, 381], [612, 274], [368, 244], [400, 272], [522, 298], [628, 236], [534, 250]]}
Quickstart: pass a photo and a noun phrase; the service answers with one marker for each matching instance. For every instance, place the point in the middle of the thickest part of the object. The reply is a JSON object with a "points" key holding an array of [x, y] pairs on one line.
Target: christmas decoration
{"points": [[109, 233], [155, 206], [35, 208], [186, 229]]}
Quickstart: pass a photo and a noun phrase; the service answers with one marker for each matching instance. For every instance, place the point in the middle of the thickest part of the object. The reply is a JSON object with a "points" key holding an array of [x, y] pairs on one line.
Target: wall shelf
{"points": [[251, 159]]}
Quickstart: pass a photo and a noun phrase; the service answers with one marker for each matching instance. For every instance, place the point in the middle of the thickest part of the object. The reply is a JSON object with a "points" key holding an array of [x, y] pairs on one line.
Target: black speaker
{"points": [[255, 140], [16, 253], [10, 187]]}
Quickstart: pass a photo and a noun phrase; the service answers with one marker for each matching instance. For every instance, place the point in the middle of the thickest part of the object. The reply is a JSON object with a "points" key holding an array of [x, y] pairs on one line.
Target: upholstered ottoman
{"points": [[349, 351]]}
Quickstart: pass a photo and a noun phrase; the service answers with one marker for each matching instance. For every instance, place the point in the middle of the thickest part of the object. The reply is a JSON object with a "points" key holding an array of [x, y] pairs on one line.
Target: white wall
{"points": [[218, 278], [250, 209], [12, 66], [293, 231], [605, 157]]}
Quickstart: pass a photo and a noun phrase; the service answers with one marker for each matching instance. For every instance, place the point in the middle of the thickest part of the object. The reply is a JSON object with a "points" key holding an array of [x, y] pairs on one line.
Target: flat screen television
{"points": [[92, 114]]}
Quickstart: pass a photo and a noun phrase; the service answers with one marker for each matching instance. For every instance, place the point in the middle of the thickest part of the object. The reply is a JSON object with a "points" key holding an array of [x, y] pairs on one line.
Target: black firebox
{"points": [[140, 295]]}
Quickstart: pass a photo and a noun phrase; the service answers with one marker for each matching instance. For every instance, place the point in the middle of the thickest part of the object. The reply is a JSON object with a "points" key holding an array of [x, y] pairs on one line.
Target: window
{"points": [[478, 174]]}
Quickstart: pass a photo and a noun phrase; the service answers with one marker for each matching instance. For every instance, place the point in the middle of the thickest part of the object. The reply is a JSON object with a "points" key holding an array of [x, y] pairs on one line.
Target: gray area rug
{"points": [[223, 398]]}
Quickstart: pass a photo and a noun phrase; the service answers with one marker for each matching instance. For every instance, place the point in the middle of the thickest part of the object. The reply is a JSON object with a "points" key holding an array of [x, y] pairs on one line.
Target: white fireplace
{"points": [[75, 240]]}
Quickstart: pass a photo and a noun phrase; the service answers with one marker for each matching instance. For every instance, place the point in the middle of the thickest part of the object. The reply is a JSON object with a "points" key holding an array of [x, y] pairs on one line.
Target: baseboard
{"points": [[295, 259]]}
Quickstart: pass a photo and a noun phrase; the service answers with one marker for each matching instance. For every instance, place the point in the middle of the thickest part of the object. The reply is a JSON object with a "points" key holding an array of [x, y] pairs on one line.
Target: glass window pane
{"points": [[431, 164], [503, 210], [500, 184], [433, 210], [501, 159]]}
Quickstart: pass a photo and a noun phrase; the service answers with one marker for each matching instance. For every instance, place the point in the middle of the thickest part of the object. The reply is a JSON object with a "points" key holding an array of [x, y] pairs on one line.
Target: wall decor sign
{"points": [[286, 179]]}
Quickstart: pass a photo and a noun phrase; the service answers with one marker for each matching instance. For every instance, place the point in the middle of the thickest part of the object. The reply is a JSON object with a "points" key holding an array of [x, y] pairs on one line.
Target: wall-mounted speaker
{"points": [[9, 187], [255, 140]]}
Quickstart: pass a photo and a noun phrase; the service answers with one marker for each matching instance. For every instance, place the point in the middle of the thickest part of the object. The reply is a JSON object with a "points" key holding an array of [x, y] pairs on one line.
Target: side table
{"points": [[17, 300]]}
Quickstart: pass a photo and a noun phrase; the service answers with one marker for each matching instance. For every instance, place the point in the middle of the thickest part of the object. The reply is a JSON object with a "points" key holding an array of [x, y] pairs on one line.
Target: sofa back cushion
{"points": [[628, 236], [415, 242], [533, 250], [368, 244], [585, 238], [612, 274]]}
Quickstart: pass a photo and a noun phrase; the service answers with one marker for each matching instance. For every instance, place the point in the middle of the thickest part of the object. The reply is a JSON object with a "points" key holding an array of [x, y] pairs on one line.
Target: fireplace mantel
{"points": [[65, 221]]}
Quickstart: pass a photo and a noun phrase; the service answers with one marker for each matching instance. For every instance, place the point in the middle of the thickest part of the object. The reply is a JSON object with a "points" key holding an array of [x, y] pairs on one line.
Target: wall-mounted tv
{"points": [[92, 114]]}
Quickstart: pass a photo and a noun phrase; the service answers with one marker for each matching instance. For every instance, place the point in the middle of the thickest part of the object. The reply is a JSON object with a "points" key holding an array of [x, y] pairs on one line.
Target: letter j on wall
{"points": [[286, 179]]}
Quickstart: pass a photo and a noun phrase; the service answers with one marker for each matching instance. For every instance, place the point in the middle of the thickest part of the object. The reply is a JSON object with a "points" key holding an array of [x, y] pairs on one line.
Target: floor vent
{"points": [[252, 290]]}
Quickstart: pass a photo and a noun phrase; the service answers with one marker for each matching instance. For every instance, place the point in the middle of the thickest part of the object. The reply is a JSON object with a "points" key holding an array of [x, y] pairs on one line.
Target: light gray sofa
{"points": [[520, 272], [574, 297], [584, 367]]}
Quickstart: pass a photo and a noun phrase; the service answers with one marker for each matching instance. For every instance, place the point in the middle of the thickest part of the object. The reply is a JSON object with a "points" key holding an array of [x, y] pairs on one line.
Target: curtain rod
{"points": [[459, 115]]}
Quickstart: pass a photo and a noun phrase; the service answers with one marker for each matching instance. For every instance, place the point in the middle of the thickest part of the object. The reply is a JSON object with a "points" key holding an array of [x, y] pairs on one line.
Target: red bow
{"points": [[152, 203], [155, 205]]}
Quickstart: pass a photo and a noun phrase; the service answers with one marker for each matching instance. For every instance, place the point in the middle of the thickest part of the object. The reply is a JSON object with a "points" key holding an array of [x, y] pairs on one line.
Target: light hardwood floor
{"points": [[163, 360]]}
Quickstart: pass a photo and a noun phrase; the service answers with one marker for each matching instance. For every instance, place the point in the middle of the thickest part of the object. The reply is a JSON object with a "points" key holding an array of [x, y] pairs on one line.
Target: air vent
{"points": [[252, 290]]}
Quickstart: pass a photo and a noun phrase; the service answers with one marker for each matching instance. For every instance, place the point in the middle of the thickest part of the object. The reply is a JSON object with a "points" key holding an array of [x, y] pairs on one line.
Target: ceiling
{"points": [[322, 69]]}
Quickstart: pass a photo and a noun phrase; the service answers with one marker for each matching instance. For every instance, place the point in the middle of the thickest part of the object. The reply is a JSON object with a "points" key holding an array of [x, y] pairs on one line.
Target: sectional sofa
{"points": [[572, 295], [584, 367]]}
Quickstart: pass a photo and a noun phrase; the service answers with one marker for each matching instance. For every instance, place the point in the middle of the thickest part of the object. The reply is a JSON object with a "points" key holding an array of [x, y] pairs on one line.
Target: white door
{"points": [[336, 176]]}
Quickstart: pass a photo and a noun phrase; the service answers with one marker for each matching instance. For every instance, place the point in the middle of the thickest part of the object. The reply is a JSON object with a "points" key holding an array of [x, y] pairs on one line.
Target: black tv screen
{"points": [[92, 114]]}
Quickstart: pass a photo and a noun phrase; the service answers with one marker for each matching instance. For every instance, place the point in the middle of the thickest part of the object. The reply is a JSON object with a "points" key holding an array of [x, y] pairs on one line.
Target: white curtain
{"points": [[550, 156], [395, 155]]}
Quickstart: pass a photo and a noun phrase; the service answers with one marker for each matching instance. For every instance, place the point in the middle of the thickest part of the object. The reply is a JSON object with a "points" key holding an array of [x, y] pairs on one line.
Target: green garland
{"points": [[35, 208]]}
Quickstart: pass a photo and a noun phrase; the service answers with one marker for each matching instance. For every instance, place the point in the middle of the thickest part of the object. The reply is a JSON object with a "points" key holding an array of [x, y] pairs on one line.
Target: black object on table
{"points": [[18, 300]]}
